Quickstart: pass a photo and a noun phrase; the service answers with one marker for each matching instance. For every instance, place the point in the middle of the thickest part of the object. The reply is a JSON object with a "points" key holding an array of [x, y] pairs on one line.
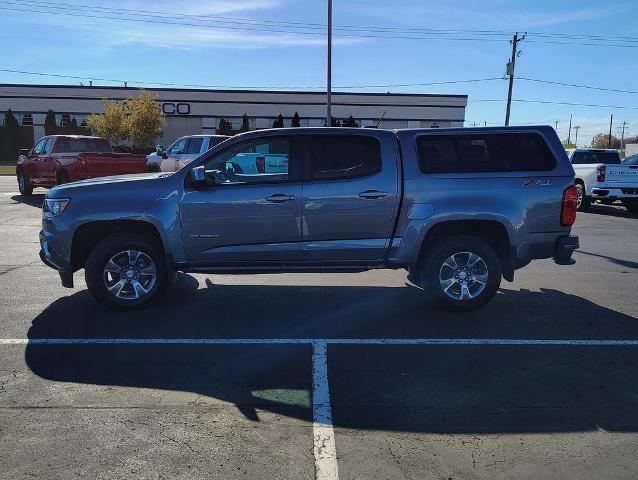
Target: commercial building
{"points": [[194, 111]]}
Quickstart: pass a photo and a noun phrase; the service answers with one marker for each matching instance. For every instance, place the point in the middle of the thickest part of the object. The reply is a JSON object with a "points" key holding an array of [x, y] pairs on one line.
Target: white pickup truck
{"points": [[602, 177]]}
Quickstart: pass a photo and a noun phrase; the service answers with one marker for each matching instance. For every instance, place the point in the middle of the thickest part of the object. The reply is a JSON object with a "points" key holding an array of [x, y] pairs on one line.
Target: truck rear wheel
{"points": [[461, 272], [125, 270], [24, 185]]}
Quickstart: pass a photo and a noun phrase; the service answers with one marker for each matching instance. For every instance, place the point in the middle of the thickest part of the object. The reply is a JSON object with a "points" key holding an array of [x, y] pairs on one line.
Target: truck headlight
{"points": [[55, 205]]}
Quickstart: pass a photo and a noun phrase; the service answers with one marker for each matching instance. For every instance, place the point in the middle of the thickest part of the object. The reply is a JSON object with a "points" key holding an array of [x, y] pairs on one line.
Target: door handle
{"points": [[372, 194], [280, 198]]}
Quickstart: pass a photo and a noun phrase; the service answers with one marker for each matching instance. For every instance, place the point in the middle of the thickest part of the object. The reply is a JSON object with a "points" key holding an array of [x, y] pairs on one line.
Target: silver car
{"points": [[182, 151]]}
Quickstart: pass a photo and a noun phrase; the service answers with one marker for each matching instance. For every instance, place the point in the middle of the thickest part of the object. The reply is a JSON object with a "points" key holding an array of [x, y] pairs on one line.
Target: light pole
{"points": [[329, 76]]}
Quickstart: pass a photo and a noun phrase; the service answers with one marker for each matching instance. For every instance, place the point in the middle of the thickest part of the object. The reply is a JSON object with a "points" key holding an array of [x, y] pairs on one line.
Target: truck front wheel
{"points": [[125, 270], [461, 272]]}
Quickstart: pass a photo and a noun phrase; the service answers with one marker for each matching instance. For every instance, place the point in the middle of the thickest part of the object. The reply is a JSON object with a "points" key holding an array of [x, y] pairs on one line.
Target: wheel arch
{"points": [[88, 234], [491, 231]]}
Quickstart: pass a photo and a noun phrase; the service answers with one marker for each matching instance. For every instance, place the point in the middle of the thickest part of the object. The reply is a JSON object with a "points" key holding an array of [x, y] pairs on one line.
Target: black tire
{"points": [[432, 267], [63, 178], [584, 200], [94, 270], [24, 185], [632, 207]]}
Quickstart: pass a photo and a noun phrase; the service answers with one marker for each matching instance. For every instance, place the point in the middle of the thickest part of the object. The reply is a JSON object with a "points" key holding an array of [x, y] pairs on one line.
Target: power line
{"points": [[319, 26], [199, 85], [550, 102], [576, 85], [316, 29]]}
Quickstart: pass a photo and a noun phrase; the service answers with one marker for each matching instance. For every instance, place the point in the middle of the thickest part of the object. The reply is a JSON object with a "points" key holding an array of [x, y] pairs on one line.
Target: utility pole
{"points": [[569, 135], [329, 79], [511, 65], [611, 122], [576, 140], [622, 134]]}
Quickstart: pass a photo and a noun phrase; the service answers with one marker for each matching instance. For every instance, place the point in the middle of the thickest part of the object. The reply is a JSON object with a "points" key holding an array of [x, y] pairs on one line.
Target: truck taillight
{"points": [[570, 203], [260, 164], [600, 170]]}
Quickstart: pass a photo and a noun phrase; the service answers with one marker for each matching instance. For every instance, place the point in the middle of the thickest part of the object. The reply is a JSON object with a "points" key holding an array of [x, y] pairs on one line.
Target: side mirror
{"points": [[198, 177], [161, 151], [24, 151]]}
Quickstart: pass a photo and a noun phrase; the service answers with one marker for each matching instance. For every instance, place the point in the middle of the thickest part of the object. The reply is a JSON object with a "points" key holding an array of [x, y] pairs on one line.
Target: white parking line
{"points": [[324, 449]]}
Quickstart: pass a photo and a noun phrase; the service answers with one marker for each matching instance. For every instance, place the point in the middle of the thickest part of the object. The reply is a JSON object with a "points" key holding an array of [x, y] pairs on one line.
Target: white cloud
{"points": [[103, 32]]}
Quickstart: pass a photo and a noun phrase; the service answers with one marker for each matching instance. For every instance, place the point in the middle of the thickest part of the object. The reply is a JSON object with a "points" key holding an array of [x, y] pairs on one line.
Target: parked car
{"points": [[457, 208], [59, 159], [631, 160], [181, 152], [602, 177]]}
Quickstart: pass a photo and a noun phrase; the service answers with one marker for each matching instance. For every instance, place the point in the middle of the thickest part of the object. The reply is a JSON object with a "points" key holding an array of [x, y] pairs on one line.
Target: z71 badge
{"points": [[537, 182]]}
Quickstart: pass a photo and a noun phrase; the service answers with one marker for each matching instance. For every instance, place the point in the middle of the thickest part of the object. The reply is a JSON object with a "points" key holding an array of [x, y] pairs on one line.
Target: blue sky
{"points": [[85, 43]]}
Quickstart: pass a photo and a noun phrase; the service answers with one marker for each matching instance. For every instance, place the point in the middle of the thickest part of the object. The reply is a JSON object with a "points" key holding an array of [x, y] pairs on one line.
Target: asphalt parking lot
{"points": [[210, 400]]}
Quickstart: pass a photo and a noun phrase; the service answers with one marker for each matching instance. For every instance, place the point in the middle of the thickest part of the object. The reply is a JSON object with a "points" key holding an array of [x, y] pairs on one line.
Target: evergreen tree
{"points": [[225, 127], [245, 126], [279, 122], [296, 121], [50, 125], [73, 127], [11, 137], [350, 122], [335, 122]]}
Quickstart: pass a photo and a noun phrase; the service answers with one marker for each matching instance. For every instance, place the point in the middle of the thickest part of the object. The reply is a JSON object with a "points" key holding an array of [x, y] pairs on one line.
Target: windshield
{"points": [[596, 156], [81, 145]]}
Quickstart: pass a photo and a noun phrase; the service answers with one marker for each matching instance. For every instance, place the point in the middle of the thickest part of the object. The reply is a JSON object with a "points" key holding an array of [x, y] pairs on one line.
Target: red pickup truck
{"points": [[58, 159]]}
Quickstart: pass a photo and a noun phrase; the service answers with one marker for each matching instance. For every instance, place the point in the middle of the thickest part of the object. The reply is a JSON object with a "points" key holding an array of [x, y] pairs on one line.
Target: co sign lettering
{"points": [[176, 108]]}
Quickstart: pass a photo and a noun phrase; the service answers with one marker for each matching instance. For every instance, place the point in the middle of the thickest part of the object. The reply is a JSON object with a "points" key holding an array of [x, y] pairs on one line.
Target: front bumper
{"points": [[46, 255], [66, 276], [564, 248]]}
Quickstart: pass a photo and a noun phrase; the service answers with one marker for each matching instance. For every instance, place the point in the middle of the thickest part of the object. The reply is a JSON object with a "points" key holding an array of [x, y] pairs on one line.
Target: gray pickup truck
{"points": [[457, 208]]}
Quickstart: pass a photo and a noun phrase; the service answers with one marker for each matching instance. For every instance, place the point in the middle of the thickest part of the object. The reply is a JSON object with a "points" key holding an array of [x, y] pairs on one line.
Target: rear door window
{"points": [[595, 156], [335, 157], [195, 145], [501, 152]]}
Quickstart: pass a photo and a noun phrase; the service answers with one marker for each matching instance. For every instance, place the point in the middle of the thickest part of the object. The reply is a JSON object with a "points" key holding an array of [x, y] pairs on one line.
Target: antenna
{"points": [[381, 118]]}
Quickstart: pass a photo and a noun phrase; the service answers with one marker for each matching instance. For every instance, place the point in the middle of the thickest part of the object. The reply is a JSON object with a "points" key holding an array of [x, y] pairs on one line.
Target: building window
{"points": [[27, 119]]}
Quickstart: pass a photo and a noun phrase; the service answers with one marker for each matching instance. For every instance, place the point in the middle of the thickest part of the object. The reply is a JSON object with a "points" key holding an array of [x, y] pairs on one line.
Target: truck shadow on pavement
{"points": [[610, 210], [450, 389], [34, 200]]}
